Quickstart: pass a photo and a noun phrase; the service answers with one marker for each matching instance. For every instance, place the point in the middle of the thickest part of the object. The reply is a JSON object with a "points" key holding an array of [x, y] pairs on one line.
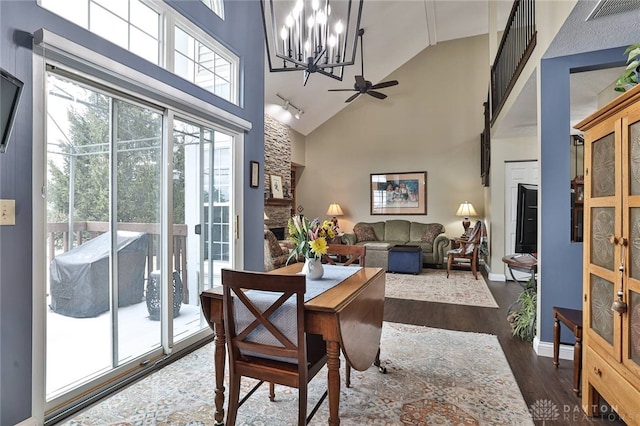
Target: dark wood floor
{"points": [[538, 379]]}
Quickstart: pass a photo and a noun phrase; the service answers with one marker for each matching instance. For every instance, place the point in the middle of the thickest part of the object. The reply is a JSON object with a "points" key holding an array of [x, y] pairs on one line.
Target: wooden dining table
{"points": [[348, 316]]}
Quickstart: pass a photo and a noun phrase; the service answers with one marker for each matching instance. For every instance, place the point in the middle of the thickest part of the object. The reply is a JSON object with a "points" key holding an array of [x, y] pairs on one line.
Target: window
{"points": [[138, 26], [130, 24], [215, 5], [201, 65]]}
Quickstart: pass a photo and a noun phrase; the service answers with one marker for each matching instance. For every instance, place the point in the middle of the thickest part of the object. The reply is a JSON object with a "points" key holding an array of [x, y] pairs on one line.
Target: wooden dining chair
{"points": [[266, 339], [467, 251], [351, 254]]}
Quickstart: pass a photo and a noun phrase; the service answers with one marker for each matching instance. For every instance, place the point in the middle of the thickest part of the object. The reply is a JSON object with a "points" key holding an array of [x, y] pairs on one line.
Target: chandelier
{"points": [[311, 35]]}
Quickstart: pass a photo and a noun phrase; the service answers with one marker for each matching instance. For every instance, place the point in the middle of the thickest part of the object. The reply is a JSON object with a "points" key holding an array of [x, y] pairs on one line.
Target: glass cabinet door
{"points": [[602, 249], [631, 290]]}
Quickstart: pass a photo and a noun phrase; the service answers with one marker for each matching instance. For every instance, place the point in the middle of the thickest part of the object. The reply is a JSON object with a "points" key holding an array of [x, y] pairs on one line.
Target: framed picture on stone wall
{"points": [[276, 186]]}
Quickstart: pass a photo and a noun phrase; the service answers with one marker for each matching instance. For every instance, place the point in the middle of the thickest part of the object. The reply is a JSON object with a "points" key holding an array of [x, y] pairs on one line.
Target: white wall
{"points": [[430, 122]]}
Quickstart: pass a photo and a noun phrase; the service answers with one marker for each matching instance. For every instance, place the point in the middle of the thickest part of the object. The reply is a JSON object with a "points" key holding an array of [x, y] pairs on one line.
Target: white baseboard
{"points": [[496, 277], [546, 349], [31, 421]]}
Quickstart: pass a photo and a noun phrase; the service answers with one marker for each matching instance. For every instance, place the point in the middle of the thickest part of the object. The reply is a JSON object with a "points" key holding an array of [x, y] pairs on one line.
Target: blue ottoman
{"points": [[406, 259]]}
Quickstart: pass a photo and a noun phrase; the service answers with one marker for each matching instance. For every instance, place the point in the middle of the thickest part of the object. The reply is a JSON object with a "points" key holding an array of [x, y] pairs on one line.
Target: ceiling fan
{"points": [[365, 86]]}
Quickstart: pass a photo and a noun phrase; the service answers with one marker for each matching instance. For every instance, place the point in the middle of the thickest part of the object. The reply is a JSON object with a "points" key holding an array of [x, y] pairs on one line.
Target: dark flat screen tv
{"points": [[527, 219], [10, 90]]}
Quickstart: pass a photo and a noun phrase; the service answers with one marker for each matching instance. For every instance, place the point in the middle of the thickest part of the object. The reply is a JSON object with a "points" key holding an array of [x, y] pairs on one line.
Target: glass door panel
{"points": [[138, 181], [103, 175], [202, 167]]}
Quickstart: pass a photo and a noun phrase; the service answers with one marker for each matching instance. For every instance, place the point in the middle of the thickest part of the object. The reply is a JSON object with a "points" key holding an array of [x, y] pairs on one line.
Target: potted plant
{"points": [[629, 77], [522, 314]]}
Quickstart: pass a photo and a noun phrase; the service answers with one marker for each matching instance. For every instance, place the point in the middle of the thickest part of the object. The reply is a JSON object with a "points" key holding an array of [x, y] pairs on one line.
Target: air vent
{"points": [[612, 7]]}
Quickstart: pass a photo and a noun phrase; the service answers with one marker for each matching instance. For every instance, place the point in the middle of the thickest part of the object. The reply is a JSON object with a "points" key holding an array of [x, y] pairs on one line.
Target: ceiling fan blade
{"points": [[342, 90], [376, 94], [360, 81], [385, 84], [352, 97]]}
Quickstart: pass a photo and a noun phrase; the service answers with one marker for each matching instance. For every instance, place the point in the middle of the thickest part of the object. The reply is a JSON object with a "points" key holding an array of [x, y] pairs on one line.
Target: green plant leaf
{"points": [[632, 47]]}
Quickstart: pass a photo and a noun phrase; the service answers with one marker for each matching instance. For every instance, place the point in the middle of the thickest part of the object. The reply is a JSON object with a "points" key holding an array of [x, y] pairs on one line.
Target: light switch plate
{"points": [[7, 212]]}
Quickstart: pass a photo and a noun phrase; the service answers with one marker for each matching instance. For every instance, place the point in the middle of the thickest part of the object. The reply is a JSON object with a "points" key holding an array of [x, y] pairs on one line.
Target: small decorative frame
{"points": [[276, 186], [254, 175], [399, 193]]}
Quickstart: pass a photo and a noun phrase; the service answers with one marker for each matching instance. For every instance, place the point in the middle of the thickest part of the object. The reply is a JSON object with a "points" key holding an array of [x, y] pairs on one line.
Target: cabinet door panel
{"points": [[634, 327], [603, 167], [602, 228], [634, 158], [601, 314]]}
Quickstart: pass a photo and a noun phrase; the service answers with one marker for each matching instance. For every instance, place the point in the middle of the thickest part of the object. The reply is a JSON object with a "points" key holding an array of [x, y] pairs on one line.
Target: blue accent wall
{"points": [[240, 31], [561, 260]]}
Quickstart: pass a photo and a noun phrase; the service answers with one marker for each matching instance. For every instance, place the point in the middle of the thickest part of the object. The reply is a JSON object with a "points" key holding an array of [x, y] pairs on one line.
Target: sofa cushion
{"points": [[425, 232], [364, 233], [397, 230]]}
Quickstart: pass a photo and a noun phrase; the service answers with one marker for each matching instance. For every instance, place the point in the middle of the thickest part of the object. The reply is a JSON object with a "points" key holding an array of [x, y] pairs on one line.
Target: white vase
{"points": [[313, 268]]}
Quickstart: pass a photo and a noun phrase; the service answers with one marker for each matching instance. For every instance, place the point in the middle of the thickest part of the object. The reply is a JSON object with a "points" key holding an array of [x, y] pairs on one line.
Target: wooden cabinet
{"points": [[611, 303]]}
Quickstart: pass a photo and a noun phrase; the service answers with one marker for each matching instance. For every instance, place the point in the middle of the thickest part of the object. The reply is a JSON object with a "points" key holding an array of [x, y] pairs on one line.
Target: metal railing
{"points": [[516, 46]]}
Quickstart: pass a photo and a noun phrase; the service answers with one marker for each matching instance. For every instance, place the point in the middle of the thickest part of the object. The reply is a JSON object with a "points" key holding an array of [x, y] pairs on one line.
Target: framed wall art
{"points": [[276, 186], [399, 193], [254, 175]]}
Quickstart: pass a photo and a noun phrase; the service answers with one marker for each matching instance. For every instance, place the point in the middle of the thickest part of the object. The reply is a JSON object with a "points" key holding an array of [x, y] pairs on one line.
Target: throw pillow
{"points": [[364, 233], [431, 232]]}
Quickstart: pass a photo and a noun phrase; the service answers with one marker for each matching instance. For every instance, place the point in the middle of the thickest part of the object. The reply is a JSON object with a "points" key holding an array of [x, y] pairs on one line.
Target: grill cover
{"points": [[80, 277]]}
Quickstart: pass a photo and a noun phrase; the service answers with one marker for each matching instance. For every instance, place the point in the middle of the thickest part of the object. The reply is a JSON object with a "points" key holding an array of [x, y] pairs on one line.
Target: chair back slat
{"points": [[353, 253]]}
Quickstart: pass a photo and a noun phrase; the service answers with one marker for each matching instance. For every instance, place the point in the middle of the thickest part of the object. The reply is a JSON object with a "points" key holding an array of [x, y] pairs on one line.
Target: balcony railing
{"points": [[59, 232], [516, 46]]}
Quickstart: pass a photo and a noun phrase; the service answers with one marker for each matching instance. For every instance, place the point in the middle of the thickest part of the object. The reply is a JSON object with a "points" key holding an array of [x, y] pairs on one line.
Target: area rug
{"points": [[432, 285], [434, 377]]}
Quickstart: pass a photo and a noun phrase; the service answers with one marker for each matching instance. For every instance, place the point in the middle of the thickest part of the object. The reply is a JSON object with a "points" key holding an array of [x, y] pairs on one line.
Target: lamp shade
{"points": [[334, 210], [466, 209]]}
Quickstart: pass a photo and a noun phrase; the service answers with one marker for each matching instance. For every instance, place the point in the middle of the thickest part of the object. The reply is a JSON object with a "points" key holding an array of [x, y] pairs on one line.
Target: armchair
{"points": [[467, 251]]}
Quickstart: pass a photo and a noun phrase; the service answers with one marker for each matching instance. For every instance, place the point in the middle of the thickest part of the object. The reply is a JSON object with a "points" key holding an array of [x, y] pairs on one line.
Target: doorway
{"points": [[515, 172]]}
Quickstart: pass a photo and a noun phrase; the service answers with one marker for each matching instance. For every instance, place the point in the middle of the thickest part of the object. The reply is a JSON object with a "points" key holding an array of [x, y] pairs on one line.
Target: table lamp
{"points": [[334, 210], [466, 209]]}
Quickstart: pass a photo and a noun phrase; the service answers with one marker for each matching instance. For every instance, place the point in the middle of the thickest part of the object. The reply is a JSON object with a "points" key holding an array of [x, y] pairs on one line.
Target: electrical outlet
{"points": [[7, 212]]}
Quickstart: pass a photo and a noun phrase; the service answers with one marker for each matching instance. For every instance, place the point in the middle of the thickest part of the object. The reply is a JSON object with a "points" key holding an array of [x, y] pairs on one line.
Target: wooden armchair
{"points": [[351, 253], [268, 347], [467, 251]]}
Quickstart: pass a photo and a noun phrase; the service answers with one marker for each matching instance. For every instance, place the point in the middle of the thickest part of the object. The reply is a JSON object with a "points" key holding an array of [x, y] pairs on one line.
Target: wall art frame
{"points": [[254, 174], [399, 193], [276, 187]]}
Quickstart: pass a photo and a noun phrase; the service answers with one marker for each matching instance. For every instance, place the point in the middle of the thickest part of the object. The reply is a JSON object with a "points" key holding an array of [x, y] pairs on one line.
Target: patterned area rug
{"points": [[435, 377], [432, 285]]}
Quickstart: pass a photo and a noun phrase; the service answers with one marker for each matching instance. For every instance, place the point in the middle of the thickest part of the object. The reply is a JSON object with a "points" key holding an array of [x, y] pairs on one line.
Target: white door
{"points": [[515, 173]]}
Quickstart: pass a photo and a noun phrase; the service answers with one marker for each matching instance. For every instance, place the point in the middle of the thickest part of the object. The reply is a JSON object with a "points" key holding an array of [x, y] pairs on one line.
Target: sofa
{"points": [[380, 236]]}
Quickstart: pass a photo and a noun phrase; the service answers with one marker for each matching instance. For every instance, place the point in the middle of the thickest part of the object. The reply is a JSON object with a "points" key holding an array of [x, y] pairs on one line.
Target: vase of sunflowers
{"points": [[311, 241]]}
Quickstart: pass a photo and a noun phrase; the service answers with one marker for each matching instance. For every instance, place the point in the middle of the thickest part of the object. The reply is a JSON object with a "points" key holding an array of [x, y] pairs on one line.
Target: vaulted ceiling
{"points": [[397, 30]]}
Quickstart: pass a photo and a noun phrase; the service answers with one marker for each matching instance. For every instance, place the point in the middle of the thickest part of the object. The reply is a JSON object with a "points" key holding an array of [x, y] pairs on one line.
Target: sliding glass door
{"points": [[107, 304]]}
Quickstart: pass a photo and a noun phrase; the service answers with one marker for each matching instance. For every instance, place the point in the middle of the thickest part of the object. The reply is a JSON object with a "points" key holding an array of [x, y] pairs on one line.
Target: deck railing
{"points": [[84, 231], [516, 46]]}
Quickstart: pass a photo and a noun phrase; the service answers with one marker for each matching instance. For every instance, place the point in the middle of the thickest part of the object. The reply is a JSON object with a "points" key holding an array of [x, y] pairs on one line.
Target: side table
{"points": [[572, 318]]}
